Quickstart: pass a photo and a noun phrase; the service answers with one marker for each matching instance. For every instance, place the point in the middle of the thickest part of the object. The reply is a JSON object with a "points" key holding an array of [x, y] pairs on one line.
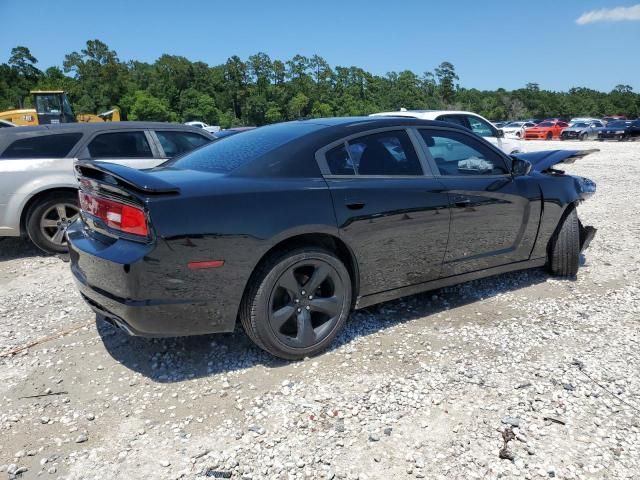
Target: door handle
{"points": [[355, 205], [463, 202]]}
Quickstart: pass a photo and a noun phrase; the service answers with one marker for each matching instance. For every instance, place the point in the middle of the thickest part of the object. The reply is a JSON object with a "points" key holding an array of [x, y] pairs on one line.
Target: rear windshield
{"points": [[235, 151], [44, 146]]}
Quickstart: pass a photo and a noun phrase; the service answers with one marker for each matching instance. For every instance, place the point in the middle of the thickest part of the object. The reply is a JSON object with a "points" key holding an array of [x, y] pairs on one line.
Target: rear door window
{"points": [[175, 143], [120, 145], [45, 146], [339, 161], [386, 153]]}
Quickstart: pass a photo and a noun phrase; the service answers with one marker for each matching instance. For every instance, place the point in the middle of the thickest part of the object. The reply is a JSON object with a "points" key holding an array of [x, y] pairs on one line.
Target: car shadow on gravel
{"points": [[14, 248], [168, 360]]}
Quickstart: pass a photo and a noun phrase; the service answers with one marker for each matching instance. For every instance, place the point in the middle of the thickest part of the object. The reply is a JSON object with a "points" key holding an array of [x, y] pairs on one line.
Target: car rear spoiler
{"points": [[119, 175], [544, 160]]}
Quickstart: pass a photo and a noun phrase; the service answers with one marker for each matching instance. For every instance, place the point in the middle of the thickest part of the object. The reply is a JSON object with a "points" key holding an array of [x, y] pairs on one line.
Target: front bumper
{"points": [[570, 136], [586, 235], [138, 288], [535, 136]]}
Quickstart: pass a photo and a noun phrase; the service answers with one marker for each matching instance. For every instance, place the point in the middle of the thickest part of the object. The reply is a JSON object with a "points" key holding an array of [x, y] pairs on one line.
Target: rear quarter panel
{"points": [[235, 220]]}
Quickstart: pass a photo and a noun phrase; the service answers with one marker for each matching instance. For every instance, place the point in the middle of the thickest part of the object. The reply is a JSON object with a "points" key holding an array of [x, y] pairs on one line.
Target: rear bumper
{"points": [[610, 136], [138, 288]]}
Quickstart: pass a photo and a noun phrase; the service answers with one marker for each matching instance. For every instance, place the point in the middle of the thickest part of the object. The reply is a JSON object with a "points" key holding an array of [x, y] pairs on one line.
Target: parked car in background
{"points": [[204, 126], [6, 123], [471, 121], [515, 129], [546, 130], [231, 131], [581, 130], [613, 118], [501, 123], [620, 130], [290, 226], [583, 120], [38, 188]]}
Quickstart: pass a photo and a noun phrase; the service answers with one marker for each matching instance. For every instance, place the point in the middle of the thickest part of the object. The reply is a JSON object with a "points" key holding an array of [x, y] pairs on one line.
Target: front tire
{"points": [[564, 247], [583, 137], [48, 219], [549, 136], [297, 302]]}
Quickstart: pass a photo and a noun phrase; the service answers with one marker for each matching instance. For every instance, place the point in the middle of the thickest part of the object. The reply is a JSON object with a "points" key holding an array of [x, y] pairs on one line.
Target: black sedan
{"points": [[620, 130], [289, 227]]}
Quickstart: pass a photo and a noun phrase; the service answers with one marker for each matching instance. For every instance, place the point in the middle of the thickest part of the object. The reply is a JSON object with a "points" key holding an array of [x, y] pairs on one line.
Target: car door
{"points": [[494, 216], [634, 131], [393, 215], [177, 142], [134, 148], [593, 129]]}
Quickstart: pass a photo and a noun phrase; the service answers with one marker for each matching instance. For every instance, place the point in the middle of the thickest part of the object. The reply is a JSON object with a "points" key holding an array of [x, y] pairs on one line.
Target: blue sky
{"points": [[492, 43]]}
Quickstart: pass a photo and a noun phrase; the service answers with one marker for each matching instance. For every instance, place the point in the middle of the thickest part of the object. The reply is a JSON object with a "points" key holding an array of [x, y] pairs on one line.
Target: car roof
{"points": [[100, 126], [364, 123], [424, 114]]}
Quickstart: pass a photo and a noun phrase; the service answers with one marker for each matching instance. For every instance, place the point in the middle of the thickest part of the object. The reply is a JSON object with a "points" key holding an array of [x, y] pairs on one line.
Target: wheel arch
{"points": [[48, 192], [323, 240]]}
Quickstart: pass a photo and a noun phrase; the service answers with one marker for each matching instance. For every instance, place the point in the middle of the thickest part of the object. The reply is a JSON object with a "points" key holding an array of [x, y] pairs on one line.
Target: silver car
{"points": [[38, 188], [582, 130]]}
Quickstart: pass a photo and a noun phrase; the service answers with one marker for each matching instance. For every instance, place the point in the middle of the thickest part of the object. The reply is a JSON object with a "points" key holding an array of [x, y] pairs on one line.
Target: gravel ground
{"points": [[431, 386]]}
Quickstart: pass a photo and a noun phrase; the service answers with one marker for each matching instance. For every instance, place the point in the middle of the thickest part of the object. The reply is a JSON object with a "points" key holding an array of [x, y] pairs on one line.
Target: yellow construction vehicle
{"points": [[52, 106]]}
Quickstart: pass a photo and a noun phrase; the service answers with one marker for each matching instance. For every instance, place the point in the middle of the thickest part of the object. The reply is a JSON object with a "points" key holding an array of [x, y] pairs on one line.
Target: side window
{"points": [[45, 146], [386, 153], [120, 145], [598, 124], [175, 143], [457, 119], [480, 127], [339, 161], [458, 154]]}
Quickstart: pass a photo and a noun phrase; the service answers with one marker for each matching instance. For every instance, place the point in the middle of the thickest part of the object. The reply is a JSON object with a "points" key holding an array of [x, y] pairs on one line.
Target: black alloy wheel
{"points": [[298, 303]]}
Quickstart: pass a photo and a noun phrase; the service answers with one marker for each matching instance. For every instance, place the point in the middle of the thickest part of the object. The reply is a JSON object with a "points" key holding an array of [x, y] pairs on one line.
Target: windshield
{"points": [[514, 124], [545, 124], [238, 150], [619, 124], [580, 125]]}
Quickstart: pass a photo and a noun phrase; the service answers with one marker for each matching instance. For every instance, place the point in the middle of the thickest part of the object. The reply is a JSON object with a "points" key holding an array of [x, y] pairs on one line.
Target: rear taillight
{"points": [[116, 215]]}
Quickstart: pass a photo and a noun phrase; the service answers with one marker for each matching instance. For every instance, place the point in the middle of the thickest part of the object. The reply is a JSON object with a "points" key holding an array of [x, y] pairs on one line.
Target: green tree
{"points": [[147, 107]]}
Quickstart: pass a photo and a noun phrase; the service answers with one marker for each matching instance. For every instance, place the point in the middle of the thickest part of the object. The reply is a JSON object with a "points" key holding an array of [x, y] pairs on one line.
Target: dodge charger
{"points": [[287, 228]]}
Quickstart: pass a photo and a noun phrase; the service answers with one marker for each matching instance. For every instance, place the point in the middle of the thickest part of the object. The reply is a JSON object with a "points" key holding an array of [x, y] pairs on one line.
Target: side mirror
{"points": [[500, 133], [520, 167]]}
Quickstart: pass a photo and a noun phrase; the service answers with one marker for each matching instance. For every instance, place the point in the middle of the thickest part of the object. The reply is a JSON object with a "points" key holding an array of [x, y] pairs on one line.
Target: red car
{"points": [[545, 130]]}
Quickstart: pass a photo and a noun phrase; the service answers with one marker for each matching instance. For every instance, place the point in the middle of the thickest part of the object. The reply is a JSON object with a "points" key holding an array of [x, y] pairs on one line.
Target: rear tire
{"points": [[297, 302], [48, 219], [564, 247]]}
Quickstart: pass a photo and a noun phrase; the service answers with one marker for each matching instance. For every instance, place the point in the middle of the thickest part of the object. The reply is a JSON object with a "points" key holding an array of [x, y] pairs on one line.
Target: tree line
{"points": [[262, 90]]}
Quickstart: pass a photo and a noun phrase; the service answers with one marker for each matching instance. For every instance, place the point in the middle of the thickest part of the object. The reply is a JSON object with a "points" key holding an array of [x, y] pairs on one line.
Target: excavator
{"points": [[51, 107]]}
